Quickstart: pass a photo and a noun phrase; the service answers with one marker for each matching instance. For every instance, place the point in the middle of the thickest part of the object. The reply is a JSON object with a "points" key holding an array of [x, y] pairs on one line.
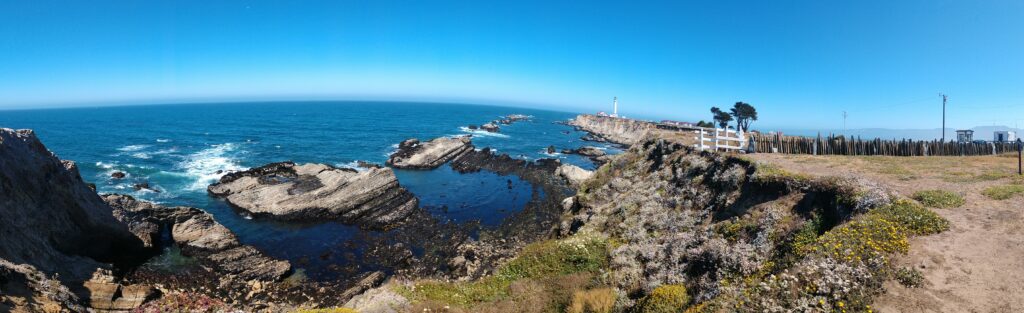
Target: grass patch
{"points": [[600, 300], [771, 173], [939, 199], [552, 258], [1003, 192]]}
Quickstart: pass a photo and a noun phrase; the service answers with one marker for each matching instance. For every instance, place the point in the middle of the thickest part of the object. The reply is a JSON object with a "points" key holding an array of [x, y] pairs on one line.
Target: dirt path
{"points": [[976, 266]]}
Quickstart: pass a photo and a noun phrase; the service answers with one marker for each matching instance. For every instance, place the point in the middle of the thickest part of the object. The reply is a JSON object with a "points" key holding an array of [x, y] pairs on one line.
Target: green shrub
{"points": [[880, 232], [665, 299], [939, 199], [1003, 192], [909, 277]]}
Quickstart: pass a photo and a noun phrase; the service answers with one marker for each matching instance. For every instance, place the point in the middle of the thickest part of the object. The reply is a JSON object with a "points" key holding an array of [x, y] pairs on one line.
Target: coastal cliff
{"points": [[57, 232], [613, 129]]}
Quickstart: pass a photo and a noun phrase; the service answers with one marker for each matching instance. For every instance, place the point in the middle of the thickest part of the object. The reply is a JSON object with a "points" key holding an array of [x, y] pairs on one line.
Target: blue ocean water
{"points": [[180, 149]]}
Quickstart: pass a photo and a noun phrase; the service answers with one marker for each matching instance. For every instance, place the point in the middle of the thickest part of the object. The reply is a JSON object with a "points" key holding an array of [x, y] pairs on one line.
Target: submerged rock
{"points": [[117, 175], [413, 154], [315, 192]]}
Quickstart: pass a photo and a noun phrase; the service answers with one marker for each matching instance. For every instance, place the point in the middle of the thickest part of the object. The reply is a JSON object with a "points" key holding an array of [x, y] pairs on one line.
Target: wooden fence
{"points": [[906, 147]]}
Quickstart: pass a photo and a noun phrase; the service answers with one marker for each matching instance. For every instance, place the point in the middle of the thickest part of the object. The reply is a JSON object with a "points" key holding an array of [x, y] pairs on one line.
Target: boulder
{"points": [[117, 175], [589, 151], [316, 192], [412, 154], [551, 150], [491, 127], [106, 295], [573, 174]]}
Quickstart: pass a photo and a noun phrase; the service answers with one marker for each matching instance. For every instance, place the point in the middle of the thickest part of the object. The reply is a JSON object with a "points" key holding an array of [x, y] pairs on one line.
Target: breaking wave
{"points": [[208, 165]]}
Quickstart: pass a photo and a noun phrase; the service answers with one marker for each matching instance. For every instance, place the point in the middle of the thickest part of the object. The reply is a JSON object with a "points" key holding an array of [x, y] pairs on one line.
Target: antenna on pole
{"points": [[944, 97]]}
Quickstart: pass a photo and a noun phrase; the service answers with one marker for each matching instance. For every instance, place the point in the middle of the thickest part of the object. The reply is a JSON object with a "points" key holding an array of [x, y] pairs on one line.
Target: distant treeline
{"points": [[839, 145]]}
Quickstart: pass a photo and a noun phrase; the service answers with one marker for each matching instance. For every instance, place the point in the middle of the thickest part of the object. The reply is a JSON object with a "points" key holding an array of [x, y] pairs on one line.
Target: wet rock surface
{"points": [[413, 154], [318, 192]]}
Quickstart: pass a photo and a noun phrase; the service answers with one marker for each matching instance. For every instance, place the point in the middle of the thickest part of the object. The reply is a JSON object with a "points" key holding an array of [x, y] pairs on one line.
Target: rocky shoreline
{"points": [[318, 192], [104, 262]]}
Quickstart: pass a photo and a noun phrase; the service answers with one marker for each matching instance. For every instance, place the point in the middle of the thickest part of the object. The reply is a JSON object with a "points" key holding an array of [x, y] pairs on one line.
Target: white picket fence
{"points": [[721, 139]]}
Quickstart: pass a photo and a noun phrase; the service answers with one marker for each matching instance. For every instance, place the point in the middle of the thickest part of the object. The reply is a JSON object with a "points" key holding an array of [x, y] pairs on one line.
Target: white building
{"points": [[1004, 136]]}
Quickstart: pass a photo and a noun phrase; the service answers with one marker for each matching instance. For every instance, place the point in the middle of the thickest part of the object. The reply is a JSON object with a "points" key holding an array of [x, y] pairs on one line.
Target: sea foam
{"points": [[203, 166], [478, 132]]}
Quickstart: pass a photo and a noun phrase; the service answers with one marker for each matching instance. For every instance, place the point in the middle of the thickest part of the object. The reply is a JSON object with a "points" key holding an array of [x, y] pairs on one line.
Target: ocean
{"points": [[179, 149]]}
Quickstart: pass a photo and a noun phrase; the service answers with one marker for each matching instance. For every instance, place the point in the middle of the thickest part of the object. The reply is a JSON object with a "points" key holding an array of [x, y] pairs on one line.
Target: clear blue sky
{"points": [[801, 63]]}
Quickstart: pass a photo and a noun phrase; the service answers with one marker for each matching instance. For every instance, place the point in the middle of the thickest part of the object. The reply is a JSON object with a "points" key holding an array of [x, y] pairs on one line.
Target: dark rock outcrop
{"points": [[54, 228], [413, 154], [491, 127], [317, 192], [117, 175], [199, 236]]}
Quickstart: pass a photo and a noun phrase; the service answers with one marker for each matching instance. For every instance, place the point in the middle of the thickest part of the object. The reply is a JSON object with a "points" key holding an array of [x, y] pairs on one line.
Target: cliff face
{"points": [[51, 220], [617, 130]]}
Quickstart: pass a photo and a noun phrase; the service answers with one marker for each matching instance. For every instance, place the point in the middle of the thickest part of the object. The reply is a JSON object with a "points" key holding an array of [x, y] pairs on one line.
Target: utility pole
{"points": [[844, 123], [943, 116]]}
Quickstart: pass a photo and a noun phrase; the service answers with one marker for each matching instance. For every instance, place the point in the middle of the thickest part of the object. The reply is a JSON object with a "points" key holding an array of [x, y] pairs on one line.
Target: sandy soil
{"points": [[976, 266]]}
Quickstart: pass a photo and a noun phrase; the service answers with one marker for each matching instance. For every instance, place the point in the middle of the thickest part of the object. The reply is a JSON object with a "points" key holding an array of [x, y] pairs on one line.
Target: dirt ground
{"points": [[976, 266]]}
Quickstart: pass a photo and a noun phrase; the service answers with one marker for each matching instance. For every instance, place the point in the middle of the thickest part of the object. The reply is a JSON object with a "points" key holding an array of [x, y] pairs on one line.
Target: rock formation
{"points": [[491, 127], [56, 232], [315, 192], [617, 130], [573, 174], [413, 154], [198, 235]]}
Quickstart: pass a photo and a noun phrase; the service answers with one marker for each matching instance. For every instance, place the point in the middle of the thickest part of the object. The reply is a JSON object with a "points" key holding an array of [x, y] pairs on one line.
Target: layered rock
{"points": [[198, 235], [413, 154], [52, 225], [617, 130], [315, 192], [491, 127]]}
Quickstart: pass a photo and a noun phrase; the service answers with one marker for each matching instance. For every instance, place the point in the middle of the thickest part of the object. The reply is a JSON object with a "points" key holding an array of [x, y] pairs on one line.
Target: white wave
{"points": [[130, 148], [162, 140], [208, 165], [165, 151], [352, 165], [141, 155], [478, 132], [104, 165]]}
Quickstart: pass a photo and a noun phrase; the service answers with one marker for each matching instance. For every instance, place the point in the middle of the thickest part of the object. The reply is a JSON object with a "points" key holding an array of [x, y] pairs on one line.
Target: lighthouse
{"points": [[615, 107]]}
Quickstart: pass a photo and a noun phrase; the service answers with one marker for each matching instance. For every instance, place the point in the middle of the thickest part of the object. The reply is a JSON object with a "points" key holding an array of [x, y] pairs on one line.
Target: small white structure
{"points": [[964, 135], [1004, 136]]}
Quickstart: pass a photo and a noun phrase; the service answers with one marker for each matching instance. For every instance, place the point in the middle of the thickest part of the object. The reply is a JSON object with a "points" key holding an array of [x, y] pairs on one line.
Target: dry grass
{"points": [[601, 300]]}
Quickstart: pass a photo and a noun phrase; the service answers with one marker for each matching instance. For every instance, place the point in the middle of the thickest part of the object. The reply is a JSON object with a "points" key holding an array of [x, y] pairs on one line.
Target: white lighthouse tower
{"points": [[615, 107]]}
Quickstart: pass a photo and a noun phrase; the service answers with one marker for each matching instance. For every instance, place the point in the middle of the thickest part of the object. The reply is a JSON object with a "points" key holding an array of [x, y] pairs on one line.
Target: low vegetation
{"points": [[331, 310], [547, 273], [942, 199], [1003, 192], [665, 299]]}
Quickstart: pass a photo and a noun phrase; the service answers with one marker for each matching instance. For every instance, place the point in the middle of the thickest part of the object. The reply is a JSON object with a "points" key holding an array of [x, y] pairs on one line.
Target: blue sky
{"points": [[801, 63]]}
